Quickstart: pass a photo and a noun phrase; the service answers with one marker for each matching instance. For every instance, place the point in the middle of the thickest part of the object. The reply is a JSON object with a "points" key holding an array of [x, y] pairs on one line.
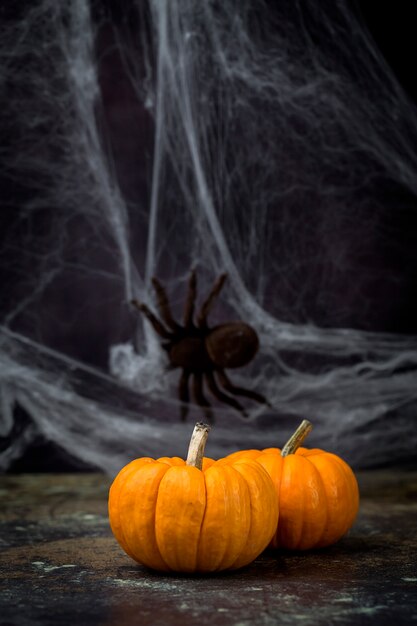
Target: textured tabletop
{"points": [[60, 565]]}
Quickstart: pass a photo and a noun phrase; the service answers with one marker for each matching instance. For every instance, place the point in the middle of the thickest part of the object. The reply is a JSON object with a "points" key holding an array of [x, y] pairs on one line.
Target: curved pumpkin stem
{"points": [[295, 441], [197, 445]]}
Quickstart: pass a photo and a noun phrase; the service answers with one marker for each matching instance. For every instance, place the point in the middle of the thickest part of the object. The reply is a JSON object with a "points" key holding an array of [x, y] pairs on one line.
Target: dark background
{"points": [[392, 27]]}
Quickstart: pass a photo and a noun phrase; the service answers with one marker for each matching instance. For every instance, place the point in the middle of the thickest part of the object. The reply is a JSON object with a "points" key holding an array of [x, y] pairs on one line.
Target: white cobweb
{"points": [[268, 140]]}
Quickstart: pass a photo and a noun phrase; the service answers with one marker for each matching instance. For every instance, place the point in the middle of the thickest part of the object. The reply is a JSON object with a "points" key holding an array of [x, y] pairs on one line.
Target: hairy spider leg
{"points": [[184, 393], [190, 301], [240, 391], [157, 325], [163, 305], [208, 302], [217, 393], [200, 397]]}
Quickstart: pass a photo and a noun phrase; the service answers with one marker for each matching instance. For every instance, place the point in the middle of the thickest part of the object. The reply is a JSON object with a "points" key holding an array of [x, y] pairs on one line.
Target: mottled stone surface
{"points": [[60, 565]]}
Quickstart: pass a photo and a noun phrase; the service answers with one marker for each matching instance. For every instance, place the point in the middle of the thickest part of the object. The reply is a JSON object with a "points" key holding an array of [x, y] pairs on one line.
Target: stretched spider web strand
{"points": [[159, 149]]}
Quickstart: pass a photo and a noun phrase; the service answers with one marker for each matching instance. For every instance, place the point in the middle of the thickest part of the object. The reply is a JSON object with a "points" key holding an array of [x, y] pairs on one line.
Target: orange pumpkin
{"points": [[195, 515], [318, 495]]}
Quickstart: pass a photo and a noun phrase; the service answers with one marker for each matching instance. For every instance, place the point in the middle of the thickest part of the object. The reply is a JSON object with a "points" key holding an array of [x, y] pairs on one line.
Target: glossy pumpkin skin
{"points": [[318, 496], [173, 517]]}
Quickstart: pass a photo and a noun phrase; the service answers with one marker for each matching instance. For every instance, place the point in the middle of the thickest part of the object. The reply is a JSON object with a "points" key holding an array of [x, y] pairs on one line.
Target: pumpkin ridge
{"points": [[201, 537], [289, 479], [191, 568], [341, 522], [202, 519], [267, 484], [275, 538], [352, 488], [324, 504], [119, 490], [154, 518], [280, 498], [303, 517], [275, 472], [346, 525], [301, 512], [122, 489], [251, 516], [201, 525], [153, 523], [220, 567]]}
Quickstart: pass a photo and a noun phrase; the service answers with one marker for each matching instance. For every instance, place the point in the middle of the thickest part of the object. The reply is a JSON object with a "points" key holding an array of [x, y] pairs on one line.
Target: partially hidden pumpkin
{"points": [[194, 515], [317, 492]]}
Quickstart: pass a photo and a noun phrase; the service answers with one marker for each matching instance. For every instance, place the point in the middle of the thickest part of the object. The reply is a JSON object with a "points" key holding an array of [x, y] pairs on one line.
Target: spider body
{"points": [[203, 353], [224, 346], [188, 353], [232, 345]]}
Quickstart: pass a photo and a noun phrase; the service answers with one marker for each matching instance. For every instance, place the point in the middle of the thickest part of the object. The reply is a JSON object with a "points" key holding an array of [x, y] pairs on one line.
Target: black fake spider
{"points": [[203, 353]]}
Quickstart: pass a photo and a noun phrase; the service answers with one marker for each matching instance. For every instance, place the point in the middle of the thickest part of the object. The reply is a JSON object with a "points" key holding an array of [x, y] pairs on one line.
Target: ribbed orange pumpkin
{"points": [[195, 515], [318, 495]]}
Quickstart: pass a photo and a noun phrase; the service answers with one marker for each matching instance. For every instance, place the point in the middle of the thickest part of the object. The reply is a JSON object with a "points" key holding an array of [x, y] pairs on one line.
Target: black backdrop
{"points": [[392, 28]]}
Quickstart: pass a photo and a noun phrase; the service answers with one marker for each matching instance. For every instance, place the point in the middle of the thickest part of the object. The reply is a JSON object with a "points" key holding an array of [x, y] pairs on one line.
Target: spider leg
{"points": [[184, 394], [163, 304], [200, 397], [190, 302], [240, 391], [217, 393], [157, 325], [207, 304]]}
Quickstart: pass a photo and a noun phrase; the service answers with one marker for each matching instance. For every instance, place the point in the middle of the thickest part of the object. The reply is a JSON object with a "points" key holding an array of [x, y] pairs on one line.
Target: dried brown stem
{"points": [[295, 441], [197, 445]]}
